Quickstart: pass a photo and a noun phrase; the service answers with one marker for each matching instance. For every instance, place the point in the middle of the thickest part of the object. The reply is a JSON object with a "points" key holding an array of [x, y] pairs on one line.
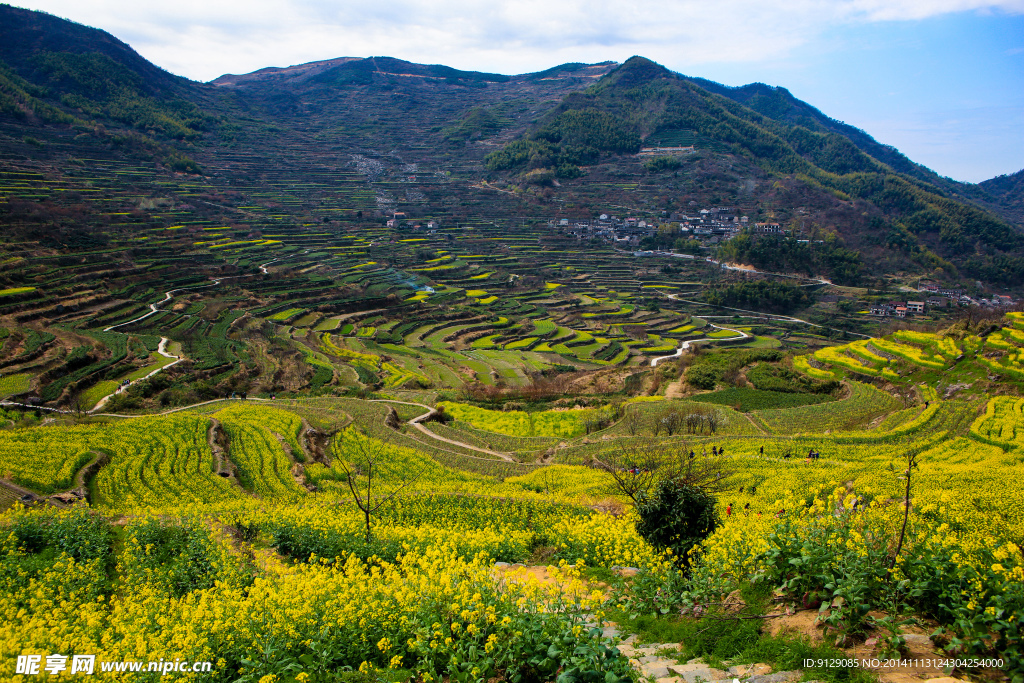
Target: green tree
{"points": [[678, 516]]}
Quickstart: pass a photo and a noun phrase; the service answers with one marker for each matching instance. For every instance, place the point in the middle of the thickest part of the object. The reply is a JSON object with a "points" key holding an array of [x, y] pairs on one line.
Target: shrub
{"points": [[677, 517], [701, 376]]}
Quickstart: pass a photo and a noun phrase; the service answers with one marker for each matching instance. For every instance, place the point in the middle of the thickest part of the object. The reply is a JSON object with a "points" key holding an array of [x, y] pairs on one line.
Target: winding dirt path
{"points": [[686, 344], [770, 316], [417, 423], [162, 350]]}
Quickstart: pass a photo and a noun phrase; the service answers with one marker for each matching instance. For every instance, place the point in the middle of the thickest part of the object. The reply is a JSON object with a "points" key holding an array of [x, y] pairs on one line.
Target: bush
{"points": [[662, 164], [677, 517], [701, 376]]}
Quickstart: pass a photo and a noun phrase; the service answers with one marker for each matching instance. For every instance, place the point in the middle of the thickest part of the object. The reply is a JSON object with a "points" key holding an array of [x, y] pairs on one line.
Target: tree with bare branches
{"points": [[912, 464], [636, 466], [374, 477], [672, 489], [632, 421]]}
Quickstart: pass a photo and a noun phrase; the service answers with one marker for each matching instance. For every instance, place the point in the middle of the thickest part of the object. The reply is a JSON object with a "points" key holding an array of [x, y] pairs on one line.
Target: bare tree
{"points": [[374, 478], [906, 475], [632, 422], [634, 465], [701, 418], [671, 420], [638, 465]]}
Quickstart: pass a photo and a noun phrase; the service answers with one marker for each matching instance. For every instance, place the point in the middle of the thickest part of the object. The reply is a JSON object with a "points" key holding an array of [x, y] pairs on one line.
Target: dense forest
{"points": [[571, 139], [761, 295], [792, 255]]}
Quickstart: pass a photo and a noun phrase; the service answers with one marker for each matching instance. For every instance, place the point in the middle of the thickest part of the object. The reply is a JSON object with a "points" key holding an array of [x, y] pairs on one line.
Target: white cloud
{"points": [[888, 10], [202, 39], [750, 39]]}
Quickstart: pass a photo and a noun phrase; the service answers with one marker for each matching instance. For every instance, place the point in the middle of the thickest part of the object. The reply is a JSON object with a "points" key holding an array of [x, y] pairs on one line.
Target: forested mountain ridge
{"points": [[1005, 195], [563, 141], [905, 212]]}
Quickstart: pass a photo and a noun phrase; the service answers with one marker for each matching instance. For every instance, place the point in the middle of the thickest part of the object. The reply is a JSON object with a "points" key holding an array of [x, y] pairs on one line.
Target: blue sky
{"points": [[942, 80], [947, 91]]}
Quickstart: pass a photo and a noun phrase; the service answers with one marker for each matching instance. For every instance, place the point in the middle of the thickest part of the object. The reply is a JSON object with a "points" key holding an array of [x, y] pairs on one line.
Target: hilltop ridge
{"points": [[566, 138]]}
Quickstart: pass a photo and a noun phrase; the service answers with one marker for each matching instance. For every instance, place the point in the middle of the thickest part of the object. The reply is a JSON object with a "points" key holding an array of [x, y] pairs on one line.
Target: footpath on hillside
{"points": [[667, 662]]}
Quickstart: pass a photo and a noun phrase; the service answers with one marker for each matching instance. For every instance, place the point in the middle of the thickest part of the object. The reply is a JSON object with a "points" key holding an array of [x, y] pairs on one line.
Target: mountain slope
{"points": [[57, 71], [26, 35], [909, 214], [778, 104], [422, 138], [1005, 194]]}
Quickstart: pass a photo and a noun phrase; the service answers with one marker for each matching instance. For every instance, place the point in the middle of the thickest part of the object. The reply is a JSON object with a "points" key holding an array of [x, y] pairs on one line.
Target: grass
{"points": [[158, 362], [717, 639], [11, 385], [746, 400], [328, 325], [16, 290], [722, 334], [92, 395], [287, 314]]}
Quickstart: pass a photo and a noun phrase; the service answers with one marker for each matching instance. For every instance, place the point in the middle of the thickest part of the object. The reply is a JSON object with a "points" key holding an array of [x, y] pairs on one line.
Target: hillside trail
{"points": [[168, 295], [346, 316], [769, 316], [675, 389], [686, 344], [417, 421], [759, 428], [19, 491], [154, 308], [162, 350]]}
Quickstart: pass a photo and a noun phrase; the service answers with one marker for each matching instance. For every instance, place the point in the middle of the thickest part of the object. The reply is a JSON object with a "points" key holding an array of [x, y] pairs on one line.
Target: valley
{"points": [[365, 371]]}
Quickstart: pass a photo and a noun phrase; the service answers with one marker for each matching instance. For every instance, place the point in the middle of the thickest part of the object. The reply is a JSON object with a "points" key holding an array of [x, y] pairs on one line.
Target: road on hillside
{"points": [[686, 344]]}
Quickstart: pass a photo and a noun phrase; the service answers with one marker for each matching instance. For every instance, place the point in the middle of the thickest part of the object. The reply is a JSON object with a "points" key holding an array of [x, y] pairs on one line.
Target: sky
{"points": [[941, 80]]}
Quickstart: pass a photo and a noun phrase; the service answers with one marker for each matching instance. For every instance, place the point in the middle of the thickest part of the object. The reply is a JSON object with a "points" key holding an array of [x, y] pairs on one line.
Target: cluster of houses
{"points": [[712, 225], [940, 293], [398, 219], [897, 309], [709, 225], [937, 297], [609, 228]]}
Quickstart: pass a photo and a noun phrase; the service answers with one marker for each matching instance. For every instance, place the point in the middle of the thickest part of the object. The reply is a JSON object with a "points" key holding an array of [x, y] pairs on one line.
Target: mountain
{"points": [[1005, 195], [464, 146], [35, 44], [778, 104], [894, 214]]}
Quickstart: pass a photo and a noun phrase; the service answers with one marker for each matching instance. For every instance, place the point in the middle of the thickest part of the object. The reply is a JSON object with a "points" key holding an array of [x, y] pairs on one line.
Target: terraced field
{"points": [[286, 288]]}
